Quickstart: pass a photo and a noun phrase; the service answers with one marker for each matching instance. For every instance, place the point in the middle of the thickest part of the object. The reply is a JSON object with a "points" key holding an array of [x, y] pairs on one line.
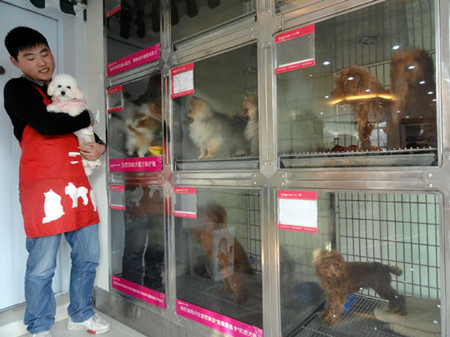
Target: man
{"points": [[49, 163]]}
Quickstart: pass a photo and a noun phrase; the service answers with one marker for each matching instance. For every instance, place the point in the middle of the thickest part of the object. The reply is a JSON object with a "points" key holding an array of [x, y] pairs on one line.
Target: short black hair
{"points": [[21, 38]]}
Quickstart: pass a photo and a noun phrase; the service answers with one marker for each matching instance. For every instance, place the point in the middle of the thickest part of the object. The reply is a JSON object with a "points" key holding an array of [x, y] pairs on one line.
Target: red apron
{"points": [[55, 194]]}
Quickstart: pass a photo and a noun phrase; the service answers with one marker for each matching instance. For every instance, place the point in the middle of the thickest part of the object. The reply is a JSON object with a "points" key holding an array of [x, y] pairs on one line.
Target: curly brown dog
{"points": [[213, 217], [339, 279], [369, 101], [412, 83]]}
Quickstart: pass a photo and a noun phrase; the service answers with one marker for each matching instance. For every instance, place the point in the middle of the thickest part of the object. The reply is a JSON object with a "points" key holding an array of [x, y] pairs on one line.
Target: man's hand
{"points": [[92, 151]]}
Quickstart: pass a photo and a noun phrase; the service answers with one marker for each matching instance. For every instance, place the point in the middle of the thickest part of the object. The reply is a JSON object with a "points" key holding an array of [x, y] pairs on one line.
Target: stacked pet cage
{"points": [[252, 144]]}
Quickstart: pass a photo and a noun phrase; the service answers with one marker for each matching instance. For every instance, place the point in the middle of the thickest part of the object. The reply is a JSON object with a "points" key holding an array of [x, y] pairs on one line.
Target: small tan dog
{"points": [[369, 101], [250, 107], [213, 217], [69, 98], [143, 131], [212, 131], [339, 279]]}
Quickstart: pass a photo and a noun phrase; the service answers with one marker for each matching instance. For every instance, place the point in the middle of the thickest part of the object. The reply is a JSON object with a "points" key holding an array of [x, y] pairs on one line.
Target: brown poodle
{"points": [[339, 279], [412, 83], [213, 217], [370, 103]]}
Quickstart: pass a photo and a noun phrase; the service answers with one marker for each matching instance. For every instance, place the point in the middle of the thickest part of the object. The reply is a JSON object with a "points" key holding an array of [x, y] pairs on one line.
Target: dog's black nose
{"points": [[333, 275], [63, 93]]}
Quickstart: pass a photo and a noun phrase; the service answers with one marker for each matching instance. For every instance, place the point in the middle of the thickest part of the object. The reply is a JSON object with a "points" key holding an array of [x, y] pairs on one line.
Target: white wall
{"points": [[94, 62], [81, 53]]}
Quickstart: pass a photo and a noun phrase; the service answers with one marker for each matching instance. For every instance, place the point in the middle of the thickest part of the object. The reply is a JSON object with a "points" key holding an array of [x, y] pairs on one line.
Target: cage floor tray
{"points": [[400, 157], [359, 320], [206, 293]]}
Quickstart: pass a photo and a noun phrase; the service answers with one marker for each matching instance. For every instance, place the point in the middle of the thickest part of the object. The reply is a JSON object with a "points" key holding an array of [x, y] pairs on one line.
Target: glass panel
{"points": [[137, 239], [219, 255], [289, 5], [131, 27], [190, 17], [135, 125], [368, 97], [371, 231], [219, 122]]}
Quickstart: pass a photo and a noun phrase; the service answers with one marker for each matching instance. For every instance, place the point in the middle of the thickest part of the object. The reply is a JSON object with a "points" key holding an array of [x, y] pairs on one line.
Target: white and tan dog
{"points": [[69, 98], [212, 131]]}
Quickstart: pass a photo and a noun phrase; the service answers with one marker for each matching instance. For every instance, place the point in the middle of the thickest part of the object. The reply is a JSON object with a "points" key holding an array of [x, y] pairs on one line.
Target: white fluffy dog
{"points": [[69, 98]]}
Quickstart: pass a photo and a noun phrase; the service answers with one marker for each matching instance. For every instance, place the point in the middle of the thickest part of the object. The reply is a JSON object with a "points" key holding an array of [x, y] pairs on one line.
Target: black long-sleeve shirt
{"points": [[24, 105]]}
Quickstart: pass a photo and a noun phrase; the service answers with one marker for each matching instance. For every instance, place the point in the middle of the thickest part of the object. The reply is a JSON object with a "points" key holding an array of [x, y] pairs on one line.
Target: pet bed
{"points": [[422, 320]]}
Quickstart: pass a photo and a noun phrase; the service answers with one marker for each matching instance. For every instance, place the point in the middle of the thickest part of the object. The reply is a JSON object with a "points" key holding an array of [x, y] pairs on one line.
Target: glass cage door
{"points": [[360, 263], [131, 26], [190, 18], [359, 89], [138, 242], [135, 127], [215, 112], [218, 250]]}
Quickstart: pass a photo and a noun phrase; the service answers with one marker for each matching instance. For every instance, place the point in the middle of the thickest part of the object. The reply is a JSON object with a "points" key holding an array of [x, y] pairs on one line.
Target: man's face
{"points": [[36, 63]]}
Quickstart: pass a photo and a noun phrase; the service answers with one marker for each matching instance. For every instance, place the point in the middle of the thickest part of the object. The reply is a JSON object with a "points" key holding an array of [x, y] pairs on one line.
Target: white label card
{"points": [[297, 211]]}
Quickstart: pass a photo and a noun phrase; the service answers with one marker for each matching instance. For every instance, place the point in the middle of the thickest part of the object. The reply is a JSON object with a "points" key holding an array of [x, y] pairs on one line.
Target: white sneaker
{"points": [[94, 325], [42, 334]]}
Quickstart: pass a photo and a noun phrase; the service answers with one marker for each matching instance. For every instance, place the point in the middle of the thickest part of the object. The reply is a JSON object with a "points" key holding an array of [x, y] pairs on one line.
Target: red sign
{"points": [[185, 190], [293, 34], [113, 11]]}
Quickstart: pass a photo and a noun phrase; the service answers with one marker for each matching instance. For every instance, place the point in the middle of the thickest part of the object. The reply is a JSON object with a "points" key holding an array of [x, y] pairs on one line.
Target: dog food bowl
{"points": [[351, 299]]}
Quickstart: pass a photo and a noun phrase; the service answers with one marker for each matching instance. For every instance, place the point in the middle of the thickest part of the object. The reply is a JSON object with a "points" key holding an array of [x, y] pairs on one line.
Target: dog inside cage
{"points": [[216, 125], [369, 97], [219, 255], [372, 269], [135, 126]]}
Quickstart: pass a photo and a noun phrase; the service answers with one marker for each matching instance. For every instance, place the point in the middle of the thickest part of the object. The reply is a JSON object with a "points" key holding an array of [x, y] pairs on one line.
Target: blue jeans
{"points": [[41, 264], [143, 255]]}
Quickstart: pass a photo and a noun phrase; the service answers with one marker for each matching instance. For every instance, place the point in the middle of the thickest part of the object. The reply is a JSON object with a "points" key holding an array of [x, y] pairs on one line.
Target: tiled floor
{"points": [[117, 330], [11, 323]]}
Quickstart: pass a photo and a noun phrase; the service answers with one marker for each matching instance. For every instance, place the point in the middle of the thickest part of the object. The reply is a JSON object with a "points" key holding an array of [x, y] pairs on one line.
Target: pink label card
{"points": [[141, 164], [115, 89], [185, 190], [294, 34], [112, 11], [117, 187], [295, 66], [145, 294], [216, 321], [185, 214], [134, 60]]}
